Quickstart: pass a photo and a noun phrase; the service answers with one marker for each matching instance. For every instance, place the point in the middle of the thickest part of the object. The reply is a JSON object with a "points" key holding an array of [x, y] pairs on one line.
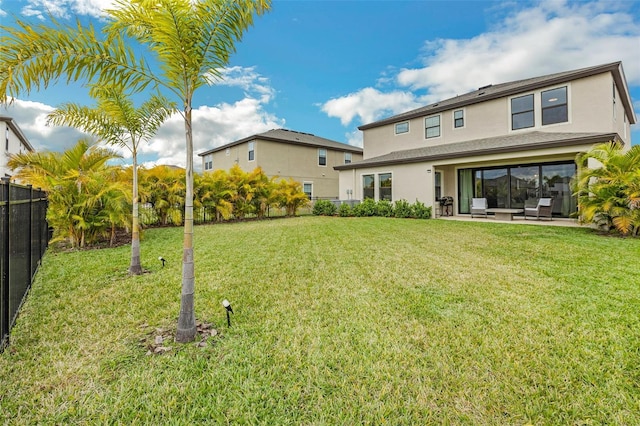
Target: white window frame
{"points": [[378, 187], [310, 195], [374, 184], [395, 128], [348, 158], [453, 118], [320, 150], [439, 126], [208, 162], [251, 151]]}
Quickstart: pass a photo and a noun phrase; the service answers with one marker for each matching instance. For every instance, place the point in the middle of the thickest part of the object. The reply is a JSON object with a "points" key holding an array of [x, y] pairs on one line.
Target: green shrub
{"points": [[345, 210], [365, 208], [420, 211], [384, 208], [403, 209], [324, 208]]}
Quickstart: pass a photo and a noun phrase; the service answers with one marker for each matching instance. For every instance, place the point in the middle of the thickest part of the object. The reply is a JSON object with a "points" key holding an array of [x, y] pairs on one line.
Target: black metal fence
{"points": [[24, 235]]}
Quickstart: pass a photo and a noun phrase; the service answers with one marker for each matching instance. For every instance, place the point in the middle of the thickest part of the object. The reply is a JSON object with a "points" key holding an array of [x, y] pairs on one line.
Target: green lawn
{"points": [[338, 321]]}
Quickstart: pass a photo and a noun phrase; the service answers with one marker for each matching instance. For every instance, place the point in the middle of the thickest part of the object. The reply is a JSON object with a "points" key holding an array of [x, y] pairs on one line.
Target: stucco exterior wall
{"points": [[299, 162], [590, 108], [11, 145]]}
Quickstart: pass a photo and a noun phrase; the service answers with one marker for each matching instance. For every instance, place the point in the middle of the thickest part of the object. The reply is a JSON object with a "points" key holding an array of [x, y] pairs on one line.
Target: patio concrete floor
{"points": [[519, 220]]}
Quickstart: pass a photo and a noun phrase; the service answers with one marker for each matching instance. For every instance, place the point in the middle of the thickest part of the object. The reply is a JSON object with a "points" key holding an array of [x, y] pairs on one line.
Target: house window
{"points": [[208, 162], [402, 128], [252, 151], [438, 185], [522, 112], [385, 186], [307, 188], [368, 190], [432, 127], [227, 152], [322, 157], [458, 118], [554, 106], [6, 137], [614, 102], [347, 158]]}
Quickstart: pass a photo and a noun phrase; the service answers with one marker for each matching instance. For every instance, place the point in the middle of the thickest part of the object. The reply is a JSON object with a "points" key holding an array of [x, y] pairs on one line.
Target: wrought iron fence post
{"points": [[4, 338]]}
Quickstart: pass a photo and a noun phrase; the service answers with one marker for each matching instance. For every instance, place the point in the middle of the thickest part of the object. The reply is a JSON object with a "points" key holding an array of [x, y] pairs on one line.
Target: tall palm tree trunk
{"points": [[135, 268], [187, 319]]}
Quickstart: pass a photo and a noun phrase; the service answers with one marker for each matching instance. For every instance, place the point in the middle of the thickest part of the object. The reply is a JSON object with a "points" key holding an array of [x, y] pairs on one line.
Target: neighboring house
{"points": [[511, 143], [15, 142], [303, 157]]}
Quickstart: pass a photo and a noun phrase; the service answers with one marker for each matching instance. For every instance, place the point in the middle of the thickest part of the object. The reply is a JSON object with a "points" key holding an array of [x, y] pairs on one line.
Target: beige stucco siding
{"points": [[590, 109], [298, 162]]}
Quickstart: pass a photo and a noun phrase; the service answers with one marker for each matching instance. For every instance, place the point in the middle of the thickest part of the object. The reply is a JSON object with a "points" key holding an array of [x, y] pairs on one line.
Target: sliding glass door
{"points": [[519, 186]]}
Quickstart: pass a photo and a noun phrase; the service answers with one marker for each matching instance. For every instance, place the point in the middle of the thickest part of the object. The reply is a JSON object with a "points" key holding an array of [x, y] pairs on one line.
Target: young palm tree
{"points": [[116, 121], [191, 40], [81, 188], [608, 189]]}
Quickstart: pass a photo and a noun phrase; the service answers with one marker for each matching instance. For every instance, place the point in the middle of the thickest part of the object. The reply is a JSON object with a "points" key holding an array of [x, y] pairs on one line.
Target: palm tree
{"points": [[608, 187], [82, 189], [191, 41], [116, 121], [291, 196]]}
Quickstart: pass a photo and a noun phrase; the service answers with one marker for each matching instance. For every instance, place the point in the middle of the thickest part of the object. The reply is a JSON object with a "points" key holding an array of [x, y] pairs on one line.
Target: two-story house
{"points": [[15, 142], [510, 143], [304, 157]]}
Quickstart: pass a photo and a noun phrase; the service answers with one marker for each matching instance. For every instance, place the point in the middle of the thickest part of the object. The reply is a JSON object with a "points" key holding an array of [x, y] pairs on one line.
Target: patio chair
{"points": [[542, 209], [479, 207]]}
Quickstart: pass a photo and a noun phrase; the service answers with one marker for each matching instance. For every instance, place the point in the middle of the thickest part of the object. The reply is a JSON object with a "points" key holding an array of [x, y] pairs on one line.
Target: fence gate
{"points": [[24, 235]]}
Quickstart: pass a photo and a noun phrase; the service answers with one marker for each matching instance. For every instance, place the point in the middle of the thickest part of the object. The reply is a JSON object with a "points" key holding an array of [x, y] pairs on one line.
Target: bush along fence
{"points": [[24, 235], [370, 207]]}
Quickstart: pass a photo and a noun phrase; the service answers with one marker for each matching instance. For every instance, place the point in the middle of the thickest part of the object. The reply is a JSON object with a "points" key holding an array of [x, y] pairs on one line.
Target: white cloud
{"points": [[554, 36], [248, 80], [65, 8], [212, 126], [31, 117], [369, 104]]}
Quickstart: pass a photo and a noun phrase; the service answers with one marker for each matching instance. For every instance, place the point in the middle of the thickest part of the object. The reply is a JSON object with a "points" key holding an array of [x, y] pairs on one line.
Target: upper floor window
{"points": [[402, 127], [458, 118], [432, 127], [347, 158], [614, 101], [6, 138], [208, 162], [252, 151], [522, 112], [322, 157], [227, 152], [554, 106]]}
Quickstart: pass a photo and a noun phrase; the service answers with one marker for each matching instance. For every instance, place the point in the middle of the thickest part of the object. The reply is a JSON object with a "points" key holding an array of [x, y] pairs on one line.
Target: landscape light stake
{"points": [[161, 259], [227, 306]]}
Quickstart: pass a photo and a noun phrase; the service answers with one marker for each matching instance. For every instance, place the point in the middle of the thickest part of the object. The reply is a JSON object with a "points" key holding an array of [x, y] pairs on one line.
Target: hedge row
{"points": [[370, 207]]}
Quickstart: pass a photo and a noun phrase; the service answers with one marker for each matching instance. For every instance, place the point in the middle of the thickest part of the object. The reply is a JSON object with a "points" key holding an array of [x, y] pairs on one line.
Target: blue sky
{"points": [[326, 67]]}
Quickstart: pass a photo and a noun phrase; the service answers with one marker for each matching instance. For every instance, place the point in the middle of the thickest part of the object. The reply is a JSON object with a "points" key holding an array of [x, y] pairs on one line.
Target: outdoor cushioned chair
{"points": [[542, 209], [479, 207]]}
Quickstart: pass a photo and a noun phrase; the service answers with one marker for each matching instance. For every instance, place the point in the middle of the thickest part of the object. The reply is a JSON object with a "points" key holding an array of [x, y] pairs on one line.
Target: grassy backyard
{"points": [[337, 321]]}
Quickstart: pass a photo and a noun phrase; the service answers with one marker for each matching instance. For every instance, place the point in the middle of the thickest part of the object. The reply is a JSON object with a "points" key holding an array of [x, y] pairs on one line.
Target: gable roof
{"points": [[17, 131], [493, 145], [511, 88], [290, 137]]}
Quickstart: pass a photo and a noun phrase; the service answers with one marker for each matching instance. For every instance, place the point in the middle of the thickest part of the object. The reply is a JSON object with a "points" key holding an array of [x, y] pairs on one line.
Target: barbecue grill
{"points": [[445, 206]]}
